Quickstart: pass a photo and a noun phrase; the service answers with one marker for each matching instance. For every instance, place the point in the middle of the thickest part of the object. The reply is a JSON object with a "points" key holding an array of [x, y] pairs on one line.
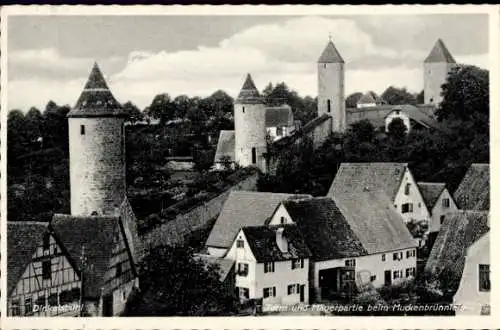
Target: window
{"points": [[243, 293], [254, 156], [41, 300], [52, 300], [408, 254], [269, 292], [28, 306], [243, 108], [432, 100], [118, 269], [397, 274], [350, 263], [293, 289], [15, 308], [46, 241], [441, 219], [240, 243], [446, 203], [407, 208], [407, 188], [484, 278], [82, 129], [242, 269], [397, 256], [383, 257], [46, 270], [282, 220], [328, 105], [269, 267], [297, 263], [373, 278], [279, 131]]}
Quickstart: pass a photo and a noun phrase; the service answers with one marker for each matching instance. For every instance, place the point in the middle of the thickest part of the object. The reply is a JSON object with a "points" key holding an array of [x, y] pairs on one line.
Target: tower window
{"points": [[82, 129], [254, 156], [324, 66], [328, 105], [243, 109]]}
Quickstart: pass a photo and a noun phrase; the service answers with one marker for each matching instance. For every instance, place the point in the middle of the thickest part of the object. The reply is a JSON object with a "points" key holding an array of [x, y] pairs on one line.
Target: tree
{"points": [[173, 283], [397, 129], [218, 105], [133, 113], [162, 108], [352, 100], [397, 96], [181, 104]]}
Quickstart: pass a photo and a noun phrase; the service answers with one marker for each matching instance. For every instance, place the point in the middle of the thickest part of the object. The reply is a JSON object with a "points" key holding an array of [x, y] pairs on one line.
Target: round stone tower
{"points": [[437, 65], [331, 95], [250, 127], [96, 150]]}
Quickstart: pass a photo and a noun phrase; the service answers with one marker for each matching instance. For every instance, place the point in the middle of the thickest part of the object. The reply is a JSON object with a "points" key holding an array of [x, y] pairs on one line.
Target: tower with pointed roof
{"points": [[437, 65], [96, 150], [331, 97], [250, 127]]}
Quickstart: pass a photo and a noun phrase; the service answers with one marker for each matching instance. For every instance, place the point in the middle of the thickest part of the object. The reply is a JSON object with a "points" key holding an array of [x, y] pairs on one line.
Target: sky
{"points": [[50, 57]]}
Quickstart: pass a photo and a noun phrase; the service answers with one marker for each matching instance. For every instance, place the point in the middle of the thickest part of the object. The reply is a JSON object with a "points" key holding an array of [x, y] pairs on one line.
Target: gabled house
{"points": [[242, 209], [42, 278], [413, 117], [473, 193], [439, 202], [458, 232], [395, 180], [279, 122], [473, 294], [272, 264], [351, 246]]}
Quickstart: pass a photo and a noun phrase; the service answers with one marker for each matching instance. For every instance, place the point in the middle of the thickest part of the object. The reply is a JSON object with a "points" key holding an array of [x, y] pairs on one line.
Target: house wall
{"points": [[365, 105], [97, 165], [367, 266], [420, 211], [468, 294], [32, 285], [438, 210], [393, 115], [321, 132], [173, 232], [272, 132], [280, 212], [120, 296]]}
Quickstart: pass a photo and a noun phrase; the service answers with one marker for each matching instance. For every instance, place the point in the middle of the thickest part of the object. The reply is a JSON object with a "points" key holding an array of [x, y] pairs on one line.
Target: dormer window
{"points": [[397, 112], [240, 243]]}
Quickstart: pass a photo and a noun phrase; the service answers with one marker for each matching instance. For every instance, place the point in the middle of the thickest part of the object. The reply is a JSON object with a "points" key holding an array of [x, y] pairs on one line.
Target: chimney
{"points": [[281, 240]]}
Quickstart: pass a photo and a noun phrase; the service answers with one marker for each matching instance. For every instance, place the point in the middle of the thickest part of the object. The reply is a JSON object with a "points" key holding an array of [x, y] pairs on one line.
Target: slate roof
{"points": [[458, 232], [324, 228], [418, 114], [362, 177], [22, 239], [367, 98], [249, 93], [96, 99], [473, 193], [225, 265], [242, 209], [95, 233], [262, 242], [439, 53], [430, 192], [225, 145], [279, 116], [375, 221], [330, 54]]}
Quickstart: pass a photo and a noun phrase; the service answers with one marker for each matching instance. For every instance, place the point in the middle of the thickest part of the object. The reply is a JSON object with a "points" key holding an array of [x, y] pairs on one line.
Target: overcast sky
{"points": [[50, 57]]}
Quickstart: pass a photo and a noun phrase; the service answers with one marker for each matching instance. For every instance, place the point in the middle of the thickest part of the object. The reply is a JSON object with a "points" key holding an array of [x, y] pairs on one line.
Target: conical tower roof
{"points": [[330, 54], [439, 54], [249, 93], [96, 99]]}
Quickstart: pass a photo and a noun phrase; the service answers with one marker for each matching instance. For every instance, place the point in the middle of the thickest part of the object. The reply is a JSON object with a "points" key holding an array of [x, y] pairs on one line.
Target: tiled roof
{"points": [[242, 209], [430, 192], [225, 145], [473, 193], [225, 265], [375, 115], [330, 54], [362, 177], [458, 232], [367, 98], [249, 93], [279, 116], [96, 234], [310, 126], [375, 221], [96, 99], [418, 114], [262, 242], [22, 239], [324, 228], [439, 53]]}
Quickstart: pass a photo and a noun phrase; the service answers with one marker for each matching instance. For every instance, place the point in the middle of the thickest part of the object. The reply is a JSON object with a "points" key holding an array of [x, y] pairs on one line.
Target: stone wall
{"points": [[174, 231]]}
